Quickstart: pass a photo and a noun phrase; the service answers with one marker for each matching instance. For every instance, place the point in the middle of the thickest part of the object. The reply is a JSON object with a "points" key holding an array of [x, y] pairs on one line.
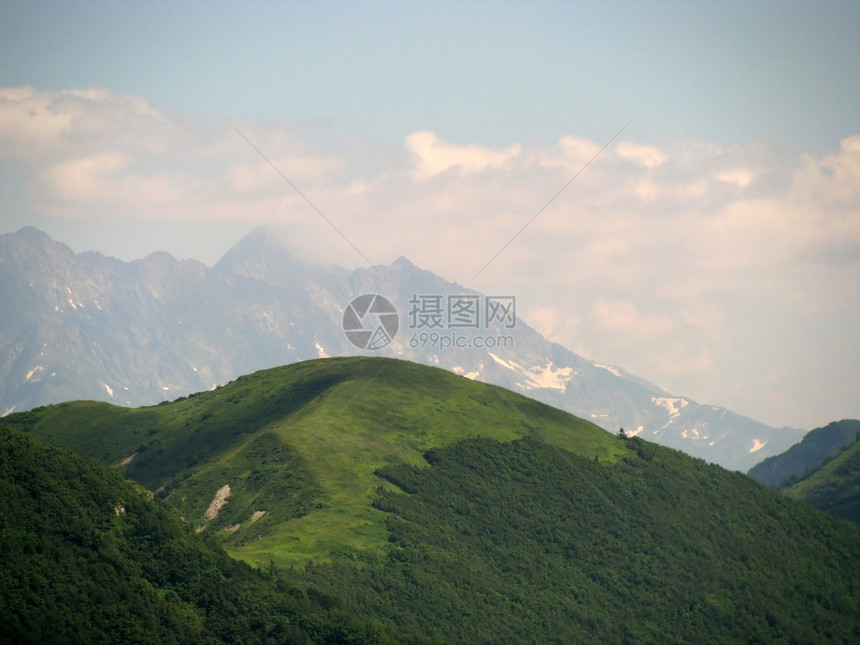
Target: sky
{"points": [[674, 187]]}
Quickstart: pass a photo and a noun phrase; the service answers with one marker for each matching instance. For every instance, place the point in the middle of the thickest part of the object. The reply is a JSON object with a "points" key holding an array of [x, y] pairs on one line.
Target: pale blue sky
{"points": [[714, 248], [493, 72]]}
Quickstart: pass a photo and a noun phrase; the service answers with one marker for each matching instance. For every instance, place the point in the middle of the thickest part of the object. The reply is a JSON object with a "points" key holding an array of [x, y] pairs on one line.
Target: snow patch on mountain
{"points": [[538, 377], [551, 378], [693, 433], [608, 368], [32, 372], [462, 372], [672, 406], [757, 445], [502, 362]]}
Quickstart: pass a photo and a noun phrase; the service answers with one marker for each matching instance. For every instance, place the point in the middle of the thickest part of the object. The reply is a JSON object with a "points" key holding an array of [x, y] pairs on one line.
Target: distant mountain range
{"points": [[86, 326]]}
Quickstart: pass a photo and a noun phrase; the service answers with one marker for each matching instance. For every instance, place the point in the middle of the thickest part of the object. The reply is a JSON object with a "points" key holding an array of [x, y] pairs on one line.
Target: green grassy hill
{"points": [[299, 447], [460, 511], [87, 557]]}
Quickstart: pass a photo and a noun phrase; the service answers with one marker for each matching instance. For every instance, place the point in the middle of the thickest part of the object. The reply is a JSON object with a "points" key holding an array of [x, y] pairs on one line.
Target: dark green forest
{"points": [[88, 557], [833, 487], [524, 542]]}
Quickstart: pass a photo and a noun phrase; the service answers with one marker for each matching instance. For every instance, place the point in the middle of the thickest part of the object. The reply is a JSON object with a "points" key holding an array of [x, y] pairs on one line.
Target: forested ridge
{"points": [[524, 542]]}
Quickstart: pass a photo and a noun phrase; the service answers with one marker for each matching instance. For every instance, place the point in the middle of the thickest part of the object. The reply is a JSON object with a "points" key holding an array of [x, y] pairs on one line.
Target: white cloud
{"points": [[86, 179], [624, 316], [433, 156], [645, 156], [28, 125], [739, 177]]}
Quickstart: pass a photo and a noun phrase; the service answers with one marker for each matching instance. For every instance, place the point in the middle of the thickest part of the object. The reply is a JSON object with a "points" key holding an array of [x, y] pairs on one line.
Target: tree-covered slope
{"points": [[833, 487], [817, 446], [88, 557], [525, 542], [293, 452]]}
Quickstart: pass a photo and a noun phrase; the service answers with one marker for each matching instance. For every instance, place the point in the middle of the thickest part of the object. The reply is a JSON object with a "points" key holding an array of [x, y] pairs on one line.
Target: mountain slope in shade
{"points": [[88, 326], [817, 446], [834, 486]]}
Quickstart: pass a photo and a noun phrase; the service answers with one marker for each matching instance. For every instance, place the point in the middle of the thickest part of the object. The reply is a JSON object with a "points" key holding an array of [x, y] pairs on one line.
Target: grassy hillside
{"points": [[299, 447], [456, 510], [88, 557], [833, 487]]}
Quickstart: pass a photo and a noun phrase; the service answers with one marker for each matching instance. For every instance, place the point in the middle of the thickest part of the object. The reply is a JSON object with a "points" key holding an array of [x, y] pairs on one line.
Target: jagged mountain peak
{"points": [[30, 242], [267, 254], [157, 259], [33, 235], [403, 264]]}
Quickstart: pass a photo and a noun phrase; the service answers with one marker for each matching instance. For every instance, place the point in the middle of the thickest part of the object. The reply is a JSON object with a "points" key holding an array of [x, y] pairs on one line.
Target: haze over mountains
{"points": [[88, 326]]}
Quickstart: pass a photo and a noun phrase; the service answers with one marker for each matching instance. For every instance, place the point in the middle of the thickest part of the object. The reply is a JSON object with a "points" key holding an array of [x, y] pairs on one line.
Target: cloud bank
{"points": [[729, 274]]}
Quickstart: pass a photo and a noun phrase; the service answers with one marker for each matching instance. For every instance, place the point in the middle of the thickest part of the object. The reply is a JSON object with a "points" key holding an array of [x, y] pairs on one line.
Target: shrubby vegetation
{"points": [[523, 542], [88, 557]]}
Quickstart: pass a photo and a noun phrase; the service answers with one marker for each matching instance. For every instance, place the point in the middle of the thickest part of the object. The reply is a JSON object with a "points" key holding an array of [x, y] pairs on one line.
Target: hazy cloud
{"points": [[433, 156], [646, 156], [673, 262]]}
